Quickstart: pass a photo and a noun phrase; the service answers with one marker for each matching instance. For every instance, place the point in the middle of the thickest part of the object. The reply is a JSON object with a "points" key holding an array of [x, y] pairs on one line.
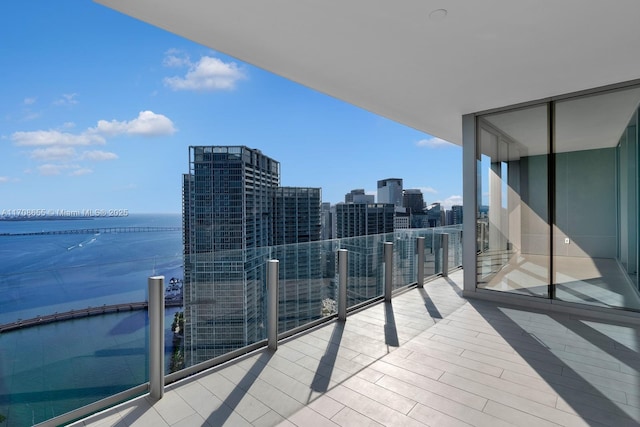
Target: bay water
{"points": [[50, 369]]}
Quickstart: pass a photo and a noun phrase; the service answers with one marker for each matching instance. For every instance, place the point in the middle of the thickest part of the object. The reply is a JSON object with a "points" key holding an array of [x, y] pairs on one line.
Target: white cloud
{"points": [[67, 99], [430, 190], [54, 137], [433, 142], [30, 101], [54, 153], [97, 155], [450, 201], [4, 179], [147, 123], [80, 172], [52, 169], [57, 150], [176, 58], [208, 74]]}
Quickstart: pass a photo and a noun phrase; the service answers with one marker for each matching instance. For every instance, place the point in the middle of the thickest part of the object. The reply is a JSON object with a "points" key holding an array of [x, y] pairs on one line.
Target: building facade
{"points": [[362, 219], [233, 211], [413, 201], [297, 229], [358, 196], [390, 191], [456, 215]]}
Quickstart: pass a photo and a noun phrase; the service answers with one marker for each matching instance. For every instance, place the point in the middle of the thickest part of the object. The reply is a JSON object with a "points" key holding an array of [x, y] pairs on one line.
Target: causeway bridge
{"points": [[84, 312], [96, 231]]}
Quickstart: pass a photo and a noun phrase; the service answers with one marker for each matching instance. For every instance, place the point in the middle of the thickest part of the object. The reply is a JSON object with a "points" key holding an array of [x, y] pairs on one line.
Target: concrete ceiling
{"points": [[422, 63]]}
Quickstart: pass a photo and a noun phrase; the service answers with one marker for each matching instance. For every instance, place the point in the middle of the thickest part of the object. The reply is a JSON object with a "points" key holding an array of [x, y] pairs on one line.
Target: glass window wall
{"points": [[595, 229], [513, 216], [558, 200]]}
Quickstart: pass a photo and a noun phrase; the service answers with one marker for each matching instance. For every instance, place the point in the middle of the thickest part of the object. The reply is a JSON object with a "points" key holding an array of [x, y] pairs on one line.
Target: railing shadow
{"points": [[390, 329], [430, 306], [322, 376], [589, 402], [228, 406]]}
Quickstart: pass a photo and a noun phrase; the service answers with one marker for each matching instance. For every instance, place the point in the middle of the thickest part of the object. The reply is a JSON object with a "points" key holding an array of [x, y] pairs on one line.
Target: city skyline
{"points": [[104, 123]]}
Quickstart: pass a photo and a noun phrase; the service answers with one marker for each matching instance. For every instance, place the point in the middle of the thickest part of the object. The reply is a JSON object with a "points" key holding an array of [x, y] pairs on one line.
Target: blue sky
{"points": [[97, 111]]}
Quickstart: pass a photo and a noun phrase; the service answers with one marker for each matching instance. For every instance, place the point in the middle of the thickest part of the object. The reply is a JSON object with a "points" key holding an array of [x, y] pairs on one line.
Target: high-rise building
{"points": [[358, 196], [361, 219], [297, 223], [390, 191], [435, 215], [360, 225], [227, 199], [456, 215], [326, 221], [401, 220], [233, 207], [413, 201]]}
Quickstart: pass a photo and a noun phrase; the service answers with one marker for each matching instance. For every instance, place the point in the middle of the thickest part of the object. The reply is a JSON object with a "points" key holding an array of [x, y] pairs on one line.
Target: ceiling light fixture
{"points": [[438, 15]]}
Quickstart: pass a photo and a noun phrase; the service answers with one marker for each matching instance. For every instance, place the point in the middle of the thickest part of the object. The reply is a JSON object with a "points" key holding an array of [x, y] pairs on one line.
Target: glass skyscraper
{"points": [[227, 211], [234, 211]]}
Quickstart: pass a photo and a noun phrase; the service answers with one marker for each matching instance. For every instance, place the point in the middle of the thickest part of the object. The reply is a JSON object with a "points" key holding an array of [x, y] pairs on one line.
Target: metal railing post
{"points": [[445, 254], [420, 260], [342, 284], [388, 270], [156, 336], [272, 304], [459, 251]]}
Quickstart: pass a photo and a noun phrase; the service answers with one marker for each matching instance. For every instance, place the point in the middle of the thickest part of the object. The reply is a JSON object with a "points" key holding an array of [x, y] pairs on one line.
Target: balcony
{"points": [[429, 357]]}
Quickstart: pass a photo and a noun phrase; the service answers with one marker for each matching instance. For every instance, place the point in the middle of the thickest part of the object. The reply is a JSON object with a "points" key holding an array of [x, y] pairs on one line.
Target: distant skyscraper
{"points": [[232, 207], [449, 216], [413, 201], [434, 215], [456, 214], [358, 196], [326, 219], [364, 223], [297, 222], [360, 219], [390, 191]]}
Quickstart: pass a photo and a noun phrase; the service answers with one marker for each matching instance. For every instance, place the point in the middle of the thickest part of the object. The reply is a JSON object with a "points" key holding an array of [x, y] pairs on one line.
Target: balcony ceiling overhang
{"points": [[422, 63]]}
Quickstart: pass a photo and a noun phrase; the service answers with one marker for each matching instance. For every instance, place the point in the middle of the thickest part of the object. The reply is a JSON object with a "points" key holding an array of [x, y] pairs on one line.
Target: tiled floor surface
{"points": [[428, 358]]}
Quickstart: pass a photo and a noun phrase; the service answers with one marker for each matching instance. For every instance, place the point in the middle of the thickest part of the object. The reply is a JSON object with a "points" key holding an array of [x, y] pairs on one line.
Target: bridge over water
{"points": [[96, 231], [85, 312]]}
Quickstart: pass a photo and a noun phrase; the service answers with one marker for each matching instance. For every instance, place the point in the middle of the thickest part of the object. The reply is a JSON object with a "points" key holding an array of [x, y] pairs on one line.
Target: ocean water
{"points": [[50, 369]]}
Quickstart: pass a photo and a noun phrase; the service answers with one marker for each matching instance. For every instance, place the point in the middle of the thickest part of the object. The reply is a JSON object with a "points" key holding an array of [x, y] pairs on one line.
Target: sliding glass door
{"points": [[558, 193], [513, 216]]}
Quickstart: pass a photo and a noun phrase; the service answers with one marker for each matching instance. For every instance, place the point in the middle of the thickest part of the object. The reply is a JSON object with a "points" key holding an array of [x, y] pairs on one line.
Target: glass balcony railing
{"points": [[73, 336]]}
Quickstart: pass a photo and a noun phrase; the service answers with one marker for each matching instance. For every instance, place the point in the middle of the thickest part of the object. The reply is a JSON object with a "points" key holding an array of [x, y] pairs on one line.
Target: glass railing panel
{"points": [[307, 282], [455, 245], [430, 248], [404, 258], [365, 270], [224, 302]]}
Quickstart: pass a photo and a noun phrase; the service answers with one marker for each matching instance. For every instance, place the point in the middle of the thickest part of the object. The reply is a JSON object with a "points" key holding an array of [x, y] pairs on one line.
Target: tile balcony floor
{"points": [[428, 358]]}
